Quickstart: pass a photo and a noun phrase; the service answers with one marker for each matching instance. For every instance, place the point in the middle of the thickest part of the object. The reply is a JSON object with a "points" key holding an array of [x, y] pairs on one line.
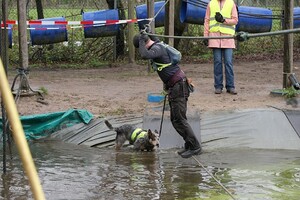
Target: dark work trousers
{"points": [[178, 97]]}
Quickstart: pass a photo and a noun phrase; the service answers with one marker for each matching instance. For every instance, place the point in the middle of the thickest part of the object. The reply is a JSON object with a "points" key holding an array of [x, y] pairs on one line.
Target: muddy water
{"points": [[69, 171]]}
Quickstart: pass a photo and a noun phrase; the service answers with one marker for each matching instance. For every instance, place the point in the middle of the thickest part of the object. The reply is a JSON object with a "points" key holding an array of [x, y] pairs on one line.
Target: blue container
{"points": [[10, 32], [142, 13], [193, 12], [155, 97], [254, 19], [297, 17], [101, 30], [45, 34]]}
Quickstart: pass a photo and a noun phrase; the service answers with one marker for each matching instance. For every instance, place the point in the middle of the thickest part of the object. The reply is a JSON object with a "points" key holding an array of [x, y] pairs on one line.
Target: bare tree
{"points": [[39, 9], [120, 34]]}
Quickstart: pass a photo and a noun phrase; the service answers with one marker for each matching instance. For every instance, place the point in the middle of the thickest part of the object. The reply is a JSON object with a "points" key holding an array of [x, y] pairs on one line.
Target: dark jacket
{"points": [[158, 54]]}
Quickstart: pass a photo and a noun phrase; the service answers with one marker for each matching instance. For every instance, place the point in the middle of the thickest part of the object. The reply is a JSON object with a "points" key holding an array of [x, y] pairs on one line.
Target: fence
{"points": [[95, 51]]}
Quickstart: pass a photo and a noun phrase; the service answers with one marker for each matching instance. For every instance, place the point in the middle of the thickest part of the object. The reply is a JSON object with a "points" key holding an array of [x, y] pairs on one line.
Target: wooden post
{"points": [[4, 57], [151, 12], [131, 47], [288, 42], [166, 21], [4, 36], [169, 21], [22, 33], [171, 11], [115, 37]]}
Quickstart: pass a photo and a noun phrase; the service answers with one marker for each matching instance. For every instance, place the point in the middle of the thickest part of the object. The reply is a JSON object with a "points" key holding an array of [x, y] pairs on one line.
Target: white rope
{"points": [[228, 192]]}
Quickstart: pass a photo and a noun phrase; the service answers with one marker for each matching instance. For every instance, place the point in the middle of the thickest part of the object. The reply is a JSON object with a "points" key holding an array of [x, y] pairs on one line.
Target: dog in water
{"points": [[141, 139]]}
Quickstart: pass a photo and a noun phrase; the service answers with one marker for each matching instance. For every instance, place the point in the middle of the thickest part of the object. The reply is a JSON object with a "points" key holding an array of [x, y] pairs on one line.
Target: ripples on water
{"points": [[69, 171]]}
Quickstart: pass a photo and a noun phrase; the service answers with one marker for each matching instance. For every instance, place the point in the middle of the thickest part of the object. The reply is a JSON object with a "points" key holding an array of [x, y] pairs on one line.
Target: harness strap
{"points": [[179, 75], [137, 133], [162, 66]]}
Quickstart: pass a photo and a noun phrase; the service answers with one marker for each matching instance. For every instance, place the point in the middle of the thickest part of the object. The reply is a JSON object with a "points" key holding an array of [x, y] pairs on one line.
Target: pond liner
{"points": [[267, 128], [96, 133], [294, 118]]}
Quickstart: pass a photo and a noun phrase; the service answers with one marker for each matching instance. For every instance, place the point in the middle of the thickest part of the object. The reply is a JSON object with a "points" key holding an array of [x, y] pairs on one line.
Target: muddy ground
{"points": [[123, 89]]}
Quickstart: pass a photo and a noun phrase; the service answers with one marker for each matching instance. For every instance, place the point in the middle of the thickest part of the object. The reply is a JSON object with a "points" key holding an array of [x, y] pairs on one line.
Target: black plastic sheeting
{"points": [[169, 137], [294, 118], [253, 128], [96, 133]]}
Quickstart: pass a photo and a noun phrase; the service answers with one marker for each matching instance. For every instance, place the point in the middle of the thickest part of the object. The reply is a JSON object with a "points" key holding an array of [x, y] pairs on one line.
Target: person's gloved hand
{"points": [[219, 17], [147, 28], [205, 42]]}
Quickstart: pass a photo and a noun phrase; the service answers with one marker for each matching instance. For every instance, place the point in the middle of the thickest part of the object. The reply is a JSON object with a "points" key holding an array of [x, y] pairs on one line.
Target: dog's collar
{"points": [[137, 133]]}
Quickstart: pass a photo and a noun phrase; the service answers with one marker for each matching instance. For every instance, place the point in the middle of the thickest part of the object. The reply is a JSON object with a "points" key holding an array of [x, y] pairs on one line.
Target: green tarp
{"points": [[42, 125]]}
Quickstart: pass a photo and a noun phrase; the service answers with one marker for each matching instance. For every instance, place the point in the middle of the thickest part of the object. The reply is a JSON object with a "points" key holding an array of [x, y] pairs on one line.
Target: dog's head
{"points": [[153, 138]]}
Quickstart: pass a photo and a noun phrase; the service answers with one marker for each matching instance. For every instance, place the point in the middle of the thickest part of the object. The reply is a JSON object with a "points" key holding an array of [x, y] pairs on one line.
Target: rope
{"points": [[287, 31], [158, 12], [162, 115], [241, 36], [152, 19], [190, 37], [200, 164]]}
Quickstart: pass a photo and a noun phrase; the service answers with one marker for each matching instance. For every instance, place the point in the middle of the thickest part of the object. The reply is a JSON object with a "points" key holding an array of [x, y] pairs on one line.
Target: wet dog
{"points": [[141, 139]]}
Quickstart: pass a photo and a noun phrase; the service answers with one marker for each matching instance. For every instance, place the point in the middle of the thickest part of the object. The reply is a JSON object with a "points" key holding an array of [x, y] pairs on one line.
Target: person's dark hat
{"points": [[136, 39]]}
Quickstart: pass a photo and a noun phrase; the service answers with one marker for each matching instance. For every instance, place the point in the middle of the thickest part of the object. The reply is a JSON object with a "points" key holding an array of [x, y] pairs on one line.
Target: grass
{"points": [[43, 90]]}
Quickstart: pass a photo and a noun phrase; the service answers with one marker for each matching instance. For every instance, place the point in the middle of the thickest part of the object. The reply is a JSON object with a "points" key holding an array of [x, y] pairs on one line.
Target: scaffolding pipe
{"points": [[19, 136]]}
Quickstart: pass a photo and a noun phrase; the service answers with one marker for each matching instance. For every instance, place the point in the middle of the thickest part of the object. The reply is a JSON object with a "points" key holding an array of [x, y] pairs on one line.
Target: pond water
{"points": [[70, 171]]}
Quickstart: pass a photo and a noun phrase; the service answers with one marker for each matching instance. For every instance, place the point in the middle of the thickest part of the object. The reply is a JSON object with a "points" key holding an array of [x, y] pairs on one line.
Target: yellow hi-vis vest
{"points": [[215, 26], [137, 134]]}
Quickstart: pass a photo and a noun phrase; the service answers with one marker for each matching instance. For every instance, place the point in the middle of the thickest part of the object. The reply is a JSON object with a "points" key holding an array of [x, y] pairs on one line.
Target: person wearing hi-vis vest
{"points": [[176, 83], [221, 17]]}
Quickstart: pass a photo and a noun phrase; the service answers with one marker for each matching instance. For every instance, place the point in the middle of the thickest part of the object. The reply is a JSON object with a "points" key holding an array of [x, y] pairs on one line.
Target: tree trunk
{"points": [[39, 9], [178, 26], [120, 36]]}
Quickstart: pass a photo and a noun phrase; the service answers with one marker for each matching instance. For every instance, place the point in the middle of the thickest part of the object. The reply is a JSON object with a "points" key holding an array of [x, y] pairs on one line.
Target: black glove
{"points": [[242, 36], [205, 42], [219, 17]]}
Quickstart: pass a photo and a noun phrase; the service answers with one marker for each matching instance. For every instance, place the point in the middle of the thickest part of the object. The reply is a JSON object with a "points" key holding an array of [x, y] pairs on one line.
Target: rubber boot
{"points": [[186, 148], [193, 150]]}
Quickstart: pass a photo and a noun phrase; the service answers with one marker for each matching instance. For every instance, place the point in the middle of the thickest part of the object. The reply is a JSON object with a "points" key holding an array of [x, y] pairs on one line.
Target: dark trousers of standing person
{"points": [[178, 97]]}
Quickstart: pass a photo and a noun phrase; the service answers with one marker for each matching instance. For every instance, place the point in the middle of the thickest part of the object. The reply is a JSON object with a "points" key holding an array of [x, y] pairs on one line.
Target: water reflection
{"points": [[69, 171]]}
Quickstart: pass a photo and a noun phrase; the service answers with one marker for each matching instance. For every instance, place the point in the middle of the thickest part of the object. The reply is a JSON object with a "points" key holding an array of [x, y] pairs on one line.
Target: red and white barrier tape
{"points": [[71, 23]]}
